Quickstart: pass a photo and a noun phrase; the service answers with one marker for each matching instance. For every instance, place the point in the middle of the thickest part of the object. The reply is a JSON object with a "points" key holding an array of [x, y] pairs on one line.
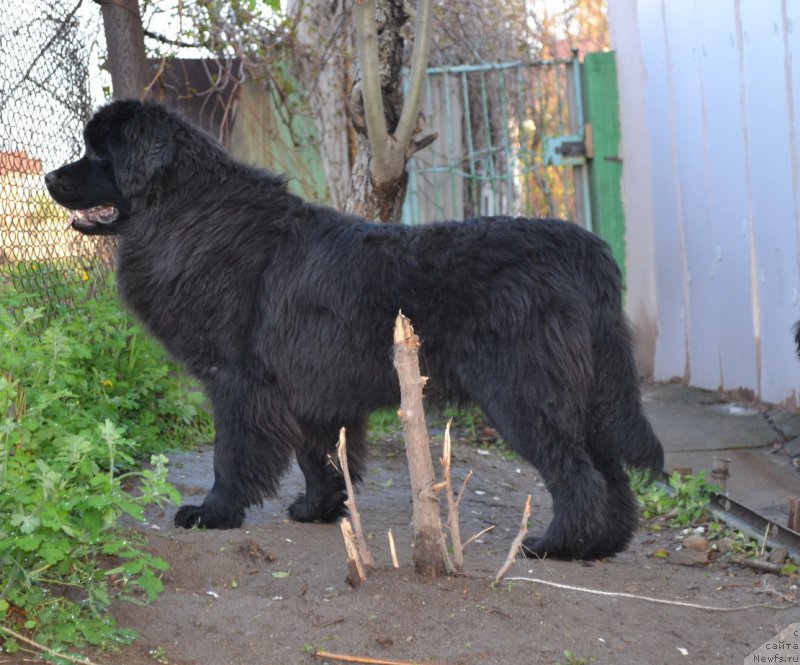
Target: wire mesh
{"points": [[489, 158], [46, 48]]}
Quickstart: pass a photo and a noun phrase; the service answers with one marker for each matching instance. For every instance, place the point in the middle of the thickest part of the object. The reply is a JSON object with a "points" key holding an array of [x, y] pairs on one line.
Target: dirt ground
{"points": [[274, 591]]}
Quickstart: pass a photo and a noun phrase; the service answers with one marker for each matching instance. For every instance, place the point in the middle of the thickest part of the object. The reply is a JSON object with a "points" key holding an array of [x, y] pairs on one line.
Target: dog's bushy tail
{"points": [[618, 428]]}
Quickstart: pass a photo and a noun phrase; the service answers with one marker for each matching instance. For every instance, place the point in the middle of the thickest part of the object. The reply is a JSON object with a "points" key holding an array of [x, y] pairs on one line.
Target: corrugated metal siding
{"points": [[721, 91]]}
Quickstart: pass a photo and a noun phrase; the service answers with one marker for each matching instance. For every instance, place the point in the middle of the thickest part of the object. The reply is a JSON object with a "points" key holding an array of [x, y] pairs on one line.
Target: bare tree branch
{"points": [[367, 49], [419, 64]]}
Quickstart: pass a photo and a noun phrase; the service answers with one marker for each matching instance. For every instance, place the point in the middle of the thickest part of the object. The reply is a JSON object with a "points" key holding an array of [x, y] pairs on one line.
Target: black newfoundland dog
{"points": [[284, 309]]}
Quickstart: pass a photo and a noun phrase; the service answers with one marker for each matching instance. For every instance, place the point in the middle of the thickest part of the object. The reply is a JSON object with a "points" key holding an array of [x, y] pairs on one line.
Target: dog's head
{"points": [[129, 147]]}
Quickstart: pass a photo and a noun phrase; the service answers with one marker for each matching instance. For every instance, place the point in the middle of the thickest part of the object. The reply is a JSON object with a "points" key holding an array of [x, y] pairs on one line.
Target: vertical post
{"points": [[601, 101], [577, 126]]}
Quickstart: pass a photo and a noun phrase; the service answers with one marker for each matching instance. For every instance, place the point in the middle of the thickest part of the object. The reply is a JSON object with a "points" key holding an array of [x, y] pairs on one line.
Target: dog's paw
{"points": [[303, 510], [203, 517], [542, 547]]}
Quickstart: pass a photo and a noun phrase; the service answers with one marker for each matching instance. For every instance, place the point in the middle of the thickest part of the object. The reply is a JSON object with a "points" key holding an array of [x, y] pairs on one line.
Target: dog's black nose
{"points": [[49, 177]]}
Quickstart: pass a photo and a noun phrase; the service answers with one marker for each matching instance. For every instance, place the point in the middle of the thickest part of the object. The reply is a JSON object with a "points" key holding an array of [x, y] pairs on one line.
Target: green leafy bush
{"points": [[81, 404]]}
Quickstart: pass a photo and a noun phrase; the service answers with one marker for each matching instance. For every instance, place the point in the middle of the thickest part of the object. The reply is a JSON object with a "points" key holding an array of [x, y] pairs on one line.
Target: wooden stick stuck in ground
{"points": [[393, 550], [452, 505], [363, 548], [517, 544], [355, 576], [430, 552]]}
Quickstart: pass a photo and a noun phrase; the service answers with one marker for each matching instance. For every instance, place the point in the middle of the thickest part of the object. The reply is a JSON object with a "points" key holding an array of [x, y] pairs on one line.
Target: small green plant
{"points": [[84, 396], [571, 659], [683, 500]]}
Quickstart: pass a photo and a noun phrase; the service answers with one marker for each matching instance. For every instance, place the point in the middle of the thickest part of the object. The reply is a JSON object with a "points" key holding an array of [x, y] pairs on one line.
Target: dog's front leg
{"points": [[254, 442]]}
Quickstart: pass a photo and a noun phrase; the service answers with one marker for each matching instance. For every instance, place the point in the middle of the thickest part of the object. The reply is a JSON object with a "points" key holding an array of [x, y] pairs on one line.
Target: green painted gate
{"points": [[537, 139]]}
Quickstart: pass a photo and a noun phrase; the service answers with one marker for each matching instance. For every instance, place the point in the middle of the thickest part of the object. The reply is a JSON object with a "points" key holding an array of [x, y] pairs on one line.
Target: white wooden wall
{"points": [[710, 114]]}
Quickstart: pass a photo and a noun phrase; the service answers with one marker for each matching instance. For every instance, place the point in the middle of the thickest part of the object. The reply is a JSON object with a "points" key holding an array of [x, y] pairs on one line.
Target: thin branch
{"points": [[423, 30], [758, 564], [452, 505], [478, 535], [166, 40], [369, 59], [161, 67], [319, 653], [44, 649], [356, 575], [649, 599], [463, 487], [393, 550], [363, 549], [517, 543]]}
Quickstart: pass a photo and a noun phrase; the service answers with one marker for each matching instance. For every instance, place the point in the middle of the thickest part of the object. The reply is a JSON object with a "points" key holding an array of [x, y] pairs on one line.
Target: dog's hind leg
{"points": [[546, 427], [622, 510], [255, 436], [323, 500]]}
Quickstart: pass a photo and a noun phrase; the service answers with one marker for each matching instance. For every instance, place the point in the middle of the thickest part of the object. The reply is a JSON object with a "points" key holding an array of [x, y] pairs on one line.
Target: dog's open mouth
{"points": [[92, 217]]}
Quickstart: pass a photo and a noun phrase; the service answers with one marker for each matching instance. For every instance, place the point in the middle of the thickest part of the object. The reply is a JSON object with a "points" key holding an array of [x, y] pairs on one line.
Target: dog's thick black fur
{"points": [[284, 309]]}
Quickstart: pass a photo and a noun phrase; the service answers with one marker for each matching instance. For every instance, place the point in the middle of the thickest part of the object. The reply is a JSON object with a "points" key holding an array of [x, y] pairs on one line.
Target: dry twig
{"points": [[367, 660], [393, 550], [356, 575], [758, 564], [478, 535], [452, 504], [44, 649], [517, 544], [363, 549]]}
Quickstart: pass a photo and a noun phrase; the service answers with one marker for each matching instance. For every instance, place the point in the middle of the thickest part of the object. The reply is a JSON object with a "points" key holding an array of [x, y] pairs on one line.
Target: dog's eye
{"points": [[95, 152]]}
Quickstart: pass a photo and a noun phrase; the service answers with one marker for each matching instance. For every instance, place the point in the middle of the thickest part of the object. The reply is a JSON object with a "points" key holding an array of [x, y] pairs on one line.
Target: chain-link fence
{"points": [[45, 99]]}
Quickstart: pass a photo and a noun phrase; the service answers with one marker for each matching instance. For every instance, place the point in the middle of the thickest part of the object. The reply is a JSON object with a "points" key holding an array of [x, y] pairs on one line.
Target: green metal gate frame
{"points": [[539, 139]]}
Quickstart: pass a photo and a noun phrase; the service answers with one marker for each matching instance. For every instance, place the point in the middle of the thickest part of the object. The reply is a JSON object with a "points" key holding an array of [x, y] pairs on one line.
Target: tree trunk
{"points": [[388, 127], [380, 201], [130, 73]]}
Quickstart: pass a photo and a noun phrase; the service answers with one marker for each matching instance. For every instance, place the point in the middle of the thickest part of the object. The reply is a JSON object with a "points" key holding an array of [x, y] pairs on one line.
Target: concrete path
{"points": [[762, 444]]}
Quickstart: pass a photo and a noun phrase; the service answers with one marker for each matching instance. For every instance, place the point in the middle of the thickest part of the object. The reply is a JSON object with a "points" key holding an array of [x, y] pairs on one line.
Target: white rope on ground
{"points": [[649, 599]]}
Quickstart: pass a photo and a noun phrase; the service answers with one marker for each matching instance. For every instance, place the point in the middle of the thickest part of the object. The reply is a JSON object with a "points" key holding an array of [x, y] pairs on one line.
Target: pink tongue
{"points": [[74, 216]]}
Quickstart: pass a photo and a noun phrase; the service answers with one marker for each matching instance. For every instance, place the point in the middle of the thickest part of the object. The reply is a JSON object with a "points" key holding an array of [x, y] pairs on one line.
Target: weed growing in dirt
{"points": [[84, 395], [571, 659], [683, 500], [686, 500]]}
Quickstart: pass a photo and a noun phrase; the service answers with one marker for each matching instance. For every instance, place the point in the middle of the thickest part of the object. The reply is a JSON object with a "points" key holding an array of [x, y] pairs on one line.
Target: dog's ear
{"points": [[158, 151], [143, 155]]}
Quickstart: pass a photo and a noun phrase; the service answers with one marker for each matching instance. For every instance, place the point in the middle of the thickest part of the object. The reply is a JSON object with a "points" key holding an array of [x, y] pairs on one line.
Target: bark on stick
{"points": [[429, 547]]}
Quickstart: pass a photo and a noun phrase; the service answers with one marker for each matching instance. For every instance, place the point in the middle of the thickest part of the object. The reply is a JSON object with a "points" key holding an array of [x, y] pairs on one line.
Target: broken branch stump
{"points": [[430, 551], [452, 505], [517, 544], [361, 541], [356, 575]]}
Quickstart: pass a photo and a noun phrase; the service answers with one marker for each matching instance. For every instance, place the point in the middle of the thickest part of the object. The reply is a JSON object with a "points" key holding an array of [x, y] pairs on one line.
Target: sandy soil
{"points": [[274, 591]]}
